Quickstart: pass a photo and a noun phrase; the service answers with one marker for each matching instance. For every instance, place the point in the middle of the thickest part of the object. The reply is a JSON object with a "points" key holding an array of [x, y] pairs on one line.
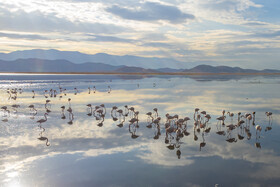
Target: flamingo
{"points": [[45, 93], [89, 109], [180, 122], [149, 114], [133, 120], [156, 121], [186, 119], [76, 91], [132, 111], [62, 112], [51, 93], [156, 112], [179, 134], [221, 118], [136, 114], [133, 132], [113, 111], [54, 93], [231, 115], [103, 109], [32, 107], [231, 127], [10, 95], [240, 123], [223, 112], [169, 129], [249, 117], [33, 94], [126, 110], [43, 120], [254, 117], [47, 102], [175, 118], [258, 129], [239, 113], [15, 106], [203, 112], [70, 113], [64, 91], [5, 108], [208, 117], [100, 112], [231, 140], [195, 113], [20, 91], [269, 115], [258, 145], [120, 111], [69, 100]]}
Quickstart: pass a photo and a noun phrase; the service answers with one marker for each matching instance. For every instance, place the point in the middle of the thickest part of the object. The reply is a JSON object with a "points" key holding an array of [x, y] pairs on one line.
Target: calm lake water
{"points": [[79, 148]]}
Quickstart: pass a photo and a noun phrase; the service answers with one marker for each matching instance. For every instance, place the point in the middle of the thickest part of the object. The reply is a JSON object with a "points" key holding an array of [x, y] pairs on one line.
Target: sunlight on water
{"points": [[79, 145]]}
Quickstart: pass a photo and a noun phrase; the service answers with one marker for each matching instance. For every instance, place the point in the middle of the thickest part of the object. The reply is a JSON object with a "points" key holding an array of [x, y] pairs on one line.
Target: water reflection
{"points": [[132, 128], [147, 125], [43, 138]]}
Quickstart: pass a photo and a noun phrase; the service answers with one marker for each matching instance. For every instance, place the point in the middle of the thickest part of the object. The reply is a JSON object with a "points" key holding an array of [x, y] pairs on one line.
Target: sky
{"points": [[243, 33]]}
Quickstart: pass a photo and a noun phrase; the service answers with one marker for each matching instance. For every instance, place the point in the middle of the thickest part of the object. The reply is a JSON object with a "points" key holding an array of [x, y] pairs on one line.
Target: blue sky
{"points": [[242, 33]]}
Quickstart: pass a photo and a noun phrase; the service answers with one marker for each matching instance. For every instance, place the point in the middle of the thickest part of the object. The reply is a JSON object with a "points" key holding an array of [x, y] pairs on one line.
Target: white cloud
{"points": [[193, 31]]}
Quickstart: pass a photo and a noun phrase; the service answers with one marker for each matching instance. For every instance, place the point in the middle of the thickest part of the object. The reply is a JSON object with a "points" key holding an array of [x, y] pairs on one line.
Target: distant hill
{"points": [[78, 58], [225, 69], [135, 70], [41, 65], [169, 70]]}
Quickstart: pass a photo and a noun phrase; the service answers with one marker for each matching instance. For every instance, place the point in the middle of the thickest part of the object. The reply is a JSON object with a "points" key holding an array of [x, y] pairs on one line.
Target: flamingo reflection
{"points": [[43, 138]]}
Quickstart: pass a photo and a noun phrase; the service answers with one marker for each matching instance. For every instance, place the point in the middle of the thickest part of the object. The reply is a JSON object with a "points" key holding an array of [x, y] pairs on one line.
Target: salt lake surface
{"points": [[77, 148]]}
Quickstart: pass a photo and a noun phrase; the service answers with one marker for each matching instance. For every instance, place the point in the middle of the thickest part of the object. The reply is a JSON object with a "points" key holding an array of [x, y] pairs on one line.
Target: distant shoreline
{"points": [[117, 73]]}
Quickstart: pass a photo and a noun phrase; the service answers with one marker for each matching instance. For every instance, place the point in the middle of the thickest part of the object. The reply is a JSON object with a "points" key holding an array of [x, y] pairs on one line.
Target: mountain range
{"points": [[114, 60], [64, 66]]}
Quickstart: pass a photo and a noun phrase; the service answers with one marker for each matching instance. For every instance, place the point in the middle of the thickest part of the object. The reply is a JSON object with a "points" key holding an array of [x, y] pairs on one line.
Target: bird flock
{"points": [[174, 126]]}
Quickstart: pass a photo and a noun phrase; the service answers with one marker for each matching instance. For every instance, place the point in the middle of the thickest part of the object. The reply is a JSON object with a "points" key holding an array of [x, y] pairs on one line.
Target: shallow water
{"points": [[81, 150]]}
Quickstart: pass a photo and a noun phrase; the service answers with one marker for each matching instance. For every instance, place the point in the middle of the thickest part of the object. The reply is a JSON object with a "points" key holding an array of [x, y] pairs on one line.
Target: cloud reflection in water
{"points": [[84, 141]]}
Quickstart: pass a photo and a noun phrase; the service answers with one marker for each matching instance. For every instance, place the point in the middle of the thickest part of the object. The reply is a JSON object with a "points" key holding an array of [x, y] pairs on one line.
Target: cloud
{"points": [[230, 5], [270, 34], [150, 11], [233, 12], [157, 44], [255, 23], [37, 21], [154, 37], [101, 38], [23, 36], [123, 2], [96, 27]]}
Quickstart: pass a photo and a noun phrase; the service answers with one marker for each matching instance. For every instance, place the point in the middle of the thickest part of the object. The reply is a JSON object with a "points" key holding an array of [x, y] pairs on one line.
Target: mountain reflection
{"points": [[153, 125]]}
